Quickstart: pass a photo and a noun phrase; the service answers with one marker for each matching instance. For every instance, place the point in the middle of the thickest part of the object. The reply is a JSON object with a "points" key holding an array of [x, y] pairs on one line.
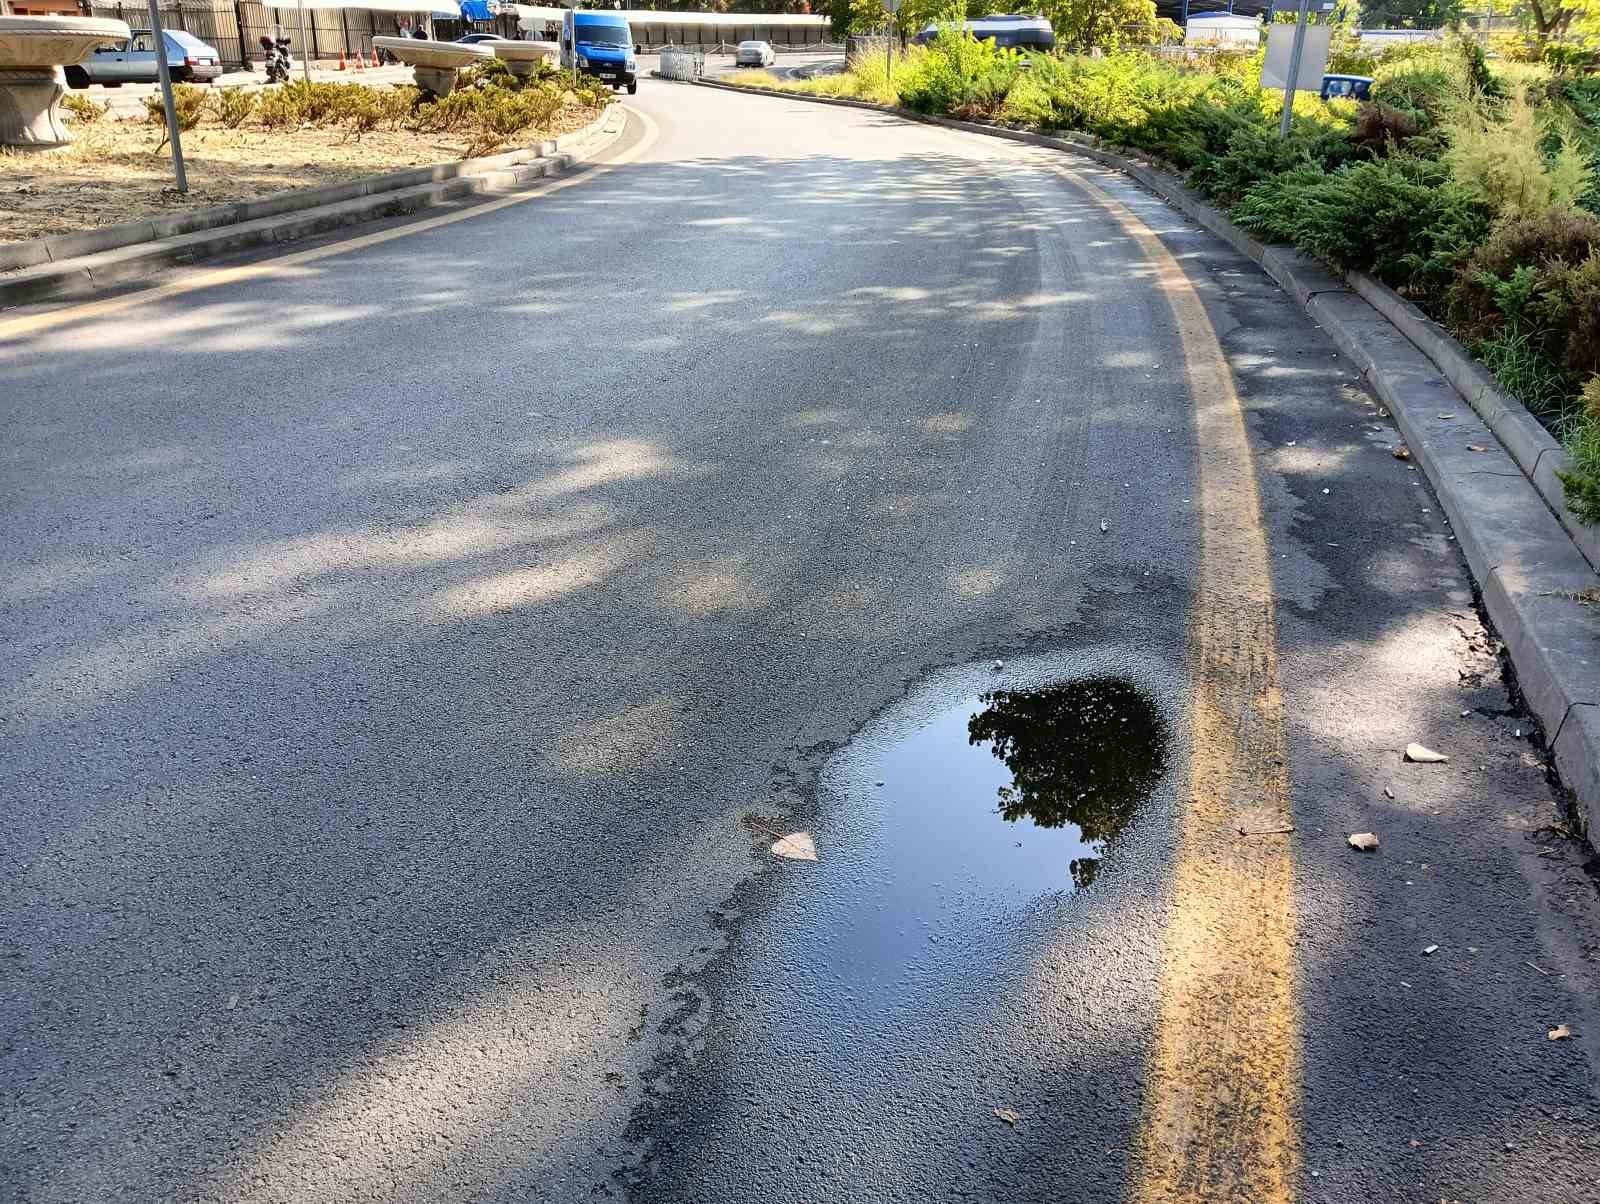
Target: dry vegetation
{"points": [[290, 138]]}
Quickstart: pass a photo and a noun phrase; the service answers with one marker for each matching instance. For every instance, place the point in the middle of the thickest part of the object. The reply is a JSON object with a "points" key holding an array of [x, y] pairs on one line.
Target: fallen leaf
{"points": [[1010, 1115], [1414, 1144], [1560, 1033], [1401, 453], [1365, 841], [797, 846], [1424, 755]]}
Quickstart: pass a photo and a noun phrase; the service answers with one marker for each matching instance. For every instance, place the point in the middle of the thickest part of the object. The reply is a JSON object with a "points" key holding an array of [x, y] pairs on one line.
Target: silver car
{"points": [[134, 61], [755, 54]]}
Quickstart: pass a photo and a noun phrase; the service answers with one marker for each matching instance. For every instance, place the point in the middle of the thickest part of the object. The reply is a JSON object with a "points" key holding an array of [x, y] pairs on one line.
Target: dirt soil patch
{"points": [[117, 171]]}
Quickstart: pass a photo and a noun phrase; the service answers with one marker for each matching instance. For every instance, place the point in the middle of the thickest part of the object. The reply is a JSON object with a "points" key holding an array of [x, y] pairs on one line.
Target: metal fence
{"points": [[235, 27]]}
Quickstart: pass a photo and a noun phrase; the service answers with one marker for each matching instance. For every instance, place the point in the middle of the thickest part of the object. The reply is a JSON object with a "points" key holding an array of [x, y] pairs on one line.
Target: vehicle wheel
{"points": [[633, 87], [77, 77]]}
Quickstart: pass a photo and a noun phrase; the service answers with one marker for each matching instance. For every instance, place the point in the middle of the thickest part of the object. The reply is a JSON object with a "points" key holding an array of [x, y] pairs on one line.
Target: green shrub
{"points": [[753, 79], [1582, 98], [491, 117], [1528, 302], [1255, 152], [312, 103], [85, 111], [1566, 59], [1028, 103], [189, 105], [1521, 367], [1480, 82], [1500, 158], [490, 73], [1582, 484], [958, 73], [364, 112], [1398, 218], [234, 106], [277, 110], [1350, 59], [1423, 88]]}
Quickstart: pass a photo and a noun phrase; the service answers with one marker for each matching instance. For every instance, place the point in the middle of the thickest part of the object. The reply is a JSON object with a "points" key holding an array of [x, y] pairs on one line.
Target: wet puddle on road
{"points": [[951, 820]]}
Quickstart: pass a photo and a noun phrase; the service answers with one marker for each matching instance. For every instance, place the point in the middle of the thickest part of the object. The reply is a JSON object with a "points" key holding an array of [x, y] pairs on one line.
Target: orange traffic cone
{"points": [[341, 58], [375, 62], [357, 62]]}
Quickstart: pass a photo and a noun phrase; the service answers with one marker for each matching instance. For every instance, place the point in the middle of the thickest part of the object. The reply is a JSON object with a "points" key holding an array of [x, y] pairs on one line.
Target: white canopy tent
{"points": [[650, 25]]}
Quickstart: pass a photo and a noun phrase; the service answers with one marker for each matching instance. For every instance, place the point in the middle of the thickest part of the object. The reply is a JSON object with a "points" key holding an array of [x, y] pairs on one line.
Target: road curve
{"points": [[408, 655]]}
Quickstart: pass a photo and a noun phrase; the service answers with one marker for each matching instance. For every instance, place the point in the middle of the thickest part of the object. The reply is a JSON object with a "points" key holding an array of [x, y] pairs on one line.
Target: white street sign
{"points": [[1313, 59]]}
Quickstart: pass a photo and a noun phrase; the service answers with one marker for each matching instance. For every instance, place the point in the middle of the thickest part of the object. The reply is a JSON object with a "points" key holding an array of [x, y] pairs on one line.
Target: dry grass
{"points": [[113, 172]]}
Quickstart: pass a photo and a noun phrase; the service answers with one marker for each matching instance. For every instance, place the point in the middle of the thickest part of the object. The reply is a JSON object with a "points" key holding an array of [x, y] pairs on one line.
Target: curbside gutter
{"points": [[1492, 465], [64, 266]]}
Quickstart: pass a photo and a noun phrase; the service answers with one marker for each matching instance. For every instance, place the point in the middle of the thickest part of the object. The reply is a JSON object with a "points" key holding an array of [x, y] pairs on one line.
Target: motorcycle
{"points": [[279, 61]]}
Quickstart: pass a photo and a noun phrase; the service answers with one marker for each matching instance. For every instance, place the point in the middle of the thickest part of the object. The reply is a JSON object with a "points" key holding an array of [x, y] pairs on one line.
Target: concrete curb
{"points": [[72, 265], [1491, 464], [1537, 452]]}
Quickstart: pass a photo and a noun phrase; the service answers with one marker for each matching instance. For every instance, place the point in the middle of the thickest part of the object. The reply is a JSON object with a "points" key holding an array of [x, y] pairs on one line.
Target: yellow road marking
{"points": [[284, 264], [1222, 1098]]}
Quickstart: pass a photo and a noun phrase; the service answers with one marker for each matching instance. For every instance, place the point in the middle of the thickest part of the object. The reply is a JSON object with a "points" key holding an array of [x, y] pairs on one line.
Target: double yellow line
{"points": [[36, 323], [1222, 1097]]}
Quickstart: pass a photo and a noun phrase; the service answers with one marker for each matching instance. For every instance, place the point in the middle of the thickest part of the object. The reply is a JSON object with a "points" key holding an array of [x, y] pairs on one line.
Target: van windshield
{"points": [[605, 35]]}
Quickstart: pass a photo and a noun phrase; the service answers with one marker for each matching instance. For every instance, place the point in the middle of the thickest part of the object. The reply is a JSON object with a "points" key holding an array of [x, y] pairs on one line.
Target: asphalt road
{"points": [[407, 659]]}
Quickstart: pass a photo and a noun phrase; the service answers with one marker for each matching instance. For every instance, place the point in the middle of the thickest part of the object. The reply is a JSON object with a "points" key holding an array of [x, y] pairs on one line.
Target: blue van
{"points": [[604, 47]]}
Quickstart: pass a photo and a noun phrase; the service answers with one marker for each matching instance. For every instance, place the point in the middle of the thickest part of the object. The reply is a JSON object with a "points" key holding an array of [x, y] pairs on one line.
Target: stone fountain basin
{"points": [[522, 52], [522, 57], [434, 56], [54, 41]]}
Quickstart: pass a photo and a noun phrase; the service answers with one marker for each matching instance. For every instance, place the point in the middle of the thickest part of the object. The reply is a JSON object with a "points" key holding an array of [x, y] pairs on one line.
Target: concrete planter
{"points": [[434, 64], [32, 52], [523, 58]]}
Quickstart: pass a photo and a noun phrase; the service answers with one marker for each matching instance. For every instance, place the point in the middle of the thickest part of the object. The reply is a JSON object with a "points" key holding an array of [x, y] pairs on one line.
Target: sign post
{"points": [[1297, 57], [180, 177], [1293, 80], [891, 7]]}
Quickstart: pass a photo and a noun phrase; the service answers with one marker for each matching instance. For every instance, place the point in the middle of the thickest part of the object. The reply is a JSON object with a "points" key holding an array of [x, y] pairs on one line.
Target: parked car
{"points": [[134, 61], [1356, 87], [601, 45], [755, 54], [472, 39]]}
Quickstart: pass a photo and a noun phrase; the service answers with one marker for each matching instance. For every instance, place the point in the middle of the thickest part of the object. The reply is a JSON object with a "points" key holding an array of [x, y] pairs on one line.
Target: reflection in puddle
{"points": [[1081, 756], [1003, 799], [1022, 789]]}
